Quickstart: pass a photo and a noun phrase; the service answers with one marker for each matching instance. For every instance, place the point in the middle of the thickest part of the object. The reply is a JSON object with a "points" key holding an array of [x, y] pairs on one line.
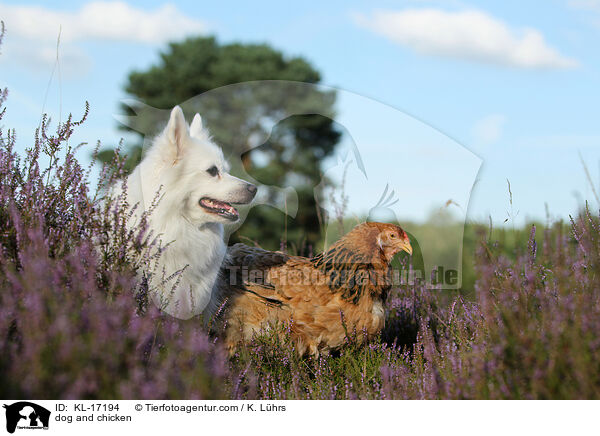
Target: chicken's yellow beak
{"points": [[405, 246]]}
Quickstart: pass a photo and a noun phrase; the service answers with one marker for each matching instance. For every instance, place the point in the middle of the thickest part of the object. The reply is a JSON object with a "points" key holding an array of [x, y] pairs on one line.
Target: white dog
{"points": [[196, 199]]}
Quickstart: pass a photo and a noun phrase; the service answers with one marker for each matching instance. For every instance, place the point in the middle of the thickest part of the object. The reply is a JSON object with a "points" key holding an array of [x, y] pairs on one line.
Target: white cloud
{"points": [[99, 20], [488, 130], [469, 35], [32, 31]]}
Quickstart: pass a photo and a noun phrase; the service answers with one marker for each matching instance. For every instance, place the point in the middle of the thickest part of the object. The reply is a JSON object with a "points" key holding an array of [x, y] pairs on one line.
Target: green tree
{"points": [[249, 121]]}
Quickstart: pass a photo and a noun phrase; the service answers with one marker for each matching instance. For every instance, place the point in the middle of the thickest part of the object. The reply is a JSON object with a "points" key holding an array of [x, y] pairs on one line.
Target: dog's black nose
{"points": [[250, 187]]}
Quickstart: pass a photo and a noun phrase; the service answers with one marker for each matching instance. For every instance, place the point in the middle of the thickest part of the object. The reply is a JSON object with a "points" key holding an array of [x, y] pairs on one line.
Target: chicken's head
{"points": [[392, 240]]}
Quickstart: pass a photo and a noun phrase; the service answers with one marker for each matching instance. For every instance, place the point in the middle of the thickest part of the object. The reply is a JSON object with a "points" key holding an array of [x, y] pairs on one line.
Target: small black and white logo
{"points": [[26, 415]]}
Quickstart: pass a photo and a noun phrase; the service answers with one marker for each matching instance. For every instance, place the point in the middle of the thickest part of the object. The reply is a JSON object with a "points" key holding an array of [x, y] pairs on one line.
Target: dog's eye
{"points": [[213, 171]]}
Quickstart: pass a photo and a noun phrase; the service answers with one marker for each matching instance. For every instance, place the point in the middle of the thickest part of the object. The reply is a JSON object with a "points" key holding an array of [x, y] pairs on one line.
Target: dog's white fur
{"points": [[177, 164]]}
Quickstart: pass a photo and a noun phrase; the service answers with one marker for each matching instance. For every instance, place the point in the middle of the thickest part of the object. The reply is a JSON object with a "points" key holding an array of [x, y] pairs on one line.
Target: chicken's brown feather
{"points": [[341, 289]]}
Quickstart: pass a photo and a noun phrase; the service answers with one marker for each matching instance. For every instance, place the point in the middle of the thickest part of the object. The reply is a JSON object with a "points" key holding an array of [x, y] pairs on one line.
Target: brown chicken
{"points": [[322, 299]]}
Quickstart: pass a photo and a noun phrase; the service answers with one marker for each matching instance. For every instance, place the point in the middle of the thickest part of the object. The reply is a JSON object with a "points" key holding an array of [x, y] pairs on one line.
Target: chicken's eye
{"points": [[393, 236], [213, 171]]}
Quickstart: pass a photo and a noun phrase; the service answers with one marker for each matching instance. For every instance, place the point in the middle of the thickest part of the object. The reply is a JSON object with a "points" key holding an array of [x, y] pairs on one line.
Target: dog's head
{"points": [[194, 174]]}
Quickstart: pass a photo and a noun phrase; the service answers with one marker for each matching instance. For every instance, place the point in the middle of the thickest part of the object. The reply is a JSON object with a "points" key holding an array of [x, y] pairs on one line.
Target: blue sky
{"points": [[514, 83]]}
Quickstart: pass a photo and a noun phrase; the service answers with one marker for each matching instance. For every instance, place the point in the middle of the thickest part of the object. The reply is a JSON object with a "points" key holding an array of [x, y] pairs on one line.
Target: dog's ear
{"points": [[177, 130], [196, 126]]}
